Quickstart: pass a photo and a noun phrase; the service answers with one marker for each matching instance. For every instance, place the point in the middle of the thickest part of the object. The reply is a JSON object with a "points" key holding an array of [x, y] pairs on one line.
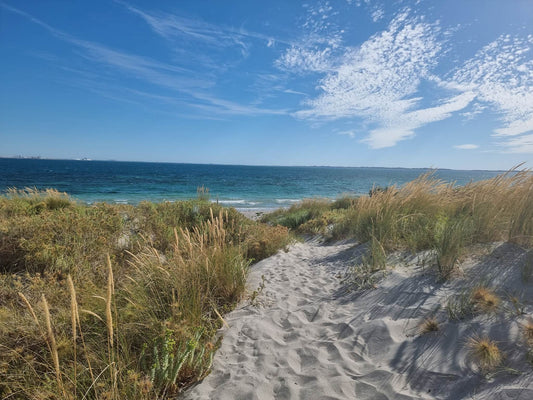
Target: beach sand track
{"points": [[306, 337]]}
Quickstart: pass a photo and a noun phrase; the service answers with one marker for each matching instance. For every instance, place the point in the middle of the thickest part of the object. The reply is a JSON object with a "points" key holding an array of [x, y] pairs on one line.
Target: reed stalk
{"points": [[53, 344]]}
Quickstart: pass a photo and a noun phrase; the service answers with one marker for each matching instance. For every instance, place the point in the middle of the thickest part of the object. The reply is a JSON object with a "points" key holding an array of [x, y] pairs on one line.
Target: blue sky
{"points": [[424, 83]]}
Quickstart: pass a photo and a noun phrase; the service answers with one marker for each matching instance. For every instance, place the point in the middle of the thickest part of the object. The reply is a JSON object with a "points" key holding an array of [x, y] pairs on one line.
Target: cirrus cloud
{"points": [[379, 81]]}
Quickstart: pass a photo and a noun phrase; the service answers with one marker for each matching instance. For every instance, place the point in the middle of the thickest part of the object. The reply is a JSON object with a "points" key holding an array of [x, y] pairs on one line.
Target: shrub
{"points": [[450, 242]]}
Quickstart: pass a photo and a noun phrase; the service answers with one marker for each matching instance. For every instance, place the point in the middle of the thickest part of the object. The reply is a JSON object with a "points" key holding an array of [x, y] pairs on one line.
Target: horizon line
{"points": [[247, 165]]}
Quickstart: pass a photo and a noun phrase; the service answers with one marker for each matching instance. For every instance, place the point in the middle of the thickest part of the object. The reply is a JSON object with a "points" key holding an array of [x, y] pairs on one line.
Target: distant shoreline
{"points": [[247, 165]]}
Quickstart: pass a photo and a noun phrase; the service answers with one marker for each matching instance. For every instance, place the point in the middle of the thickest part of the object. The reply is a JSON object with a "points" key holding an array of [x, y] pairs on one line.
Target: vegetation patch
{"points": [[116, 301], [425, 214]]}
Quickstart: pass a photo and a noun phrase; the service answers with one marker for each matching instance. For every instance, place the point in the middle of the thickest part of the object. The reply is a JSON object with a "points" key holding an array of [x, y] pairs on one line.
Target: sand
{"points": [[306, 335], [255, 213]]}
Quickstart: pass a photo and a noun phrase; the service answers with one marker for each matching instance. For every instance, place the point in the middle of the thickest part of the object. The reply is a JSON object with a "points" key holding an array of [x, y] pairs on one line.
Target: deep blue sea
{"points": [[250, 187]]}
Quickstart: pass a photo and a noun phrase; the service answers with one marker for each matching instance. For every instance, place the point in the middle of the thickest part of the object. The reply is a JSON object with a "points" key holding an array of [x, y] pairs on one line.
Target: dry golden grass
{"points": [[485, 300], [154, 300], [428, 214], [528, 332], [485, 353], [429, 325], [52, 342]]}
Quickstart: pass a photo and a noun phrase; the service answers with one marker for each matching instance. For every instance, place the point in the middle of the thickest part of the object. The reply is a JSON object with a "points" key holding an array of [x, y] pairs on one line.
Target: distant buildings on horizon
{"points": [[41, 158]]}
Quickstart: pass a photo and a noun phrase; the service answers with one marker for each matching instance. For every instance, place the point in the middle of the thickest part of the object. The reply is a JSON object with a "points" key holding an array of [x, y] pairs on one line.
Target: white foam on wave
{"points": [[230, 201], [283, 201], [239, 201]]}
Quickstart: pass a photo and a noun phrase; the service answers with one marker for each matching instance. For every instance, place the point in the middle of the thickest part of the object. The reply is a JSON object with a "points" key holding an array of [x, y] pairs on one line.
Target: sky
{"points": [[391, 83]]}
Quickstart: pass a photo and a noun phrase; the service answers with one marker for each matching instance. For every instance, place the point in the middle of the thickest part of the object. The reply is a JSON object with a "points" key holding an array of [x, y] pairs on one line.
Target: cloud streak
{"points": [[183, 82], [171, 26]]}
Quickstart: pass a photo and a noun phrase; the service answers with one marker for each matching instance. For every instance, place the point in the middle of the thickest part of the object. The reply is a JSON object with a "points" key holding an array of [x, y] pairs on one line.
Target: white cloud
{"points": [[299, 59], [403, 126], [317, 49], [379, 81], [379, 75], [290, 91], [377, 11], [475, 110], [501, 75], [377, 14], [466, 146]]}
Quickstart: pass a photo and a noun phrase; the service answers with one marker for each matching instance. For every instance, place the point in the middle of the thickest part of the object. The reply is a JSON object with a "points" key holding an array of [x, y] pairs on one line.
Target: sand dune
{"points": [[306, 336]]}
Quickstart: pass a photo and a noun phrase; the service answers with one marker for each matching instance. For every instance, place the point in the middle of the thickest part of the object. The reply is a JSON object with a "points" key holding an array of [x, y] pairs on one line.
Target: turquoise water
{"points": [[246, 187]]}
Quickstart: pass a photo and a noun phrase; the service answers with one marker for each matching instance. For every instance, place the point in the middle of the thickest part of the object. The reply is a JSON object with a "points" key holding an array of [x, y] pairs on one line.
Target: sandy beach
{"points": [[301, 333]]}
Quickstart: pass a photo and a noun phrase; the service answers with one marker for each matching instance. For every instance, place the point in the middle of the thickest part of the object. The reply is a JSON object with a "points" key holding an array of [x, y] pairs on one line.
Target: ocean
{"points": [[239, 186]]}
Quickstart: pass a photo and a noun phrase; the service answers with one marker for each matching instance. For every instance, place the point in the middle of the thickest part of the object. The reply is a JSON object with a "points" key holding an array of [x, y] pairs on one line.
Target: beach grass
{"points": [[485, 300], [117, 301], [123, 302], [425, 214], [429, 325], [485, 352]]}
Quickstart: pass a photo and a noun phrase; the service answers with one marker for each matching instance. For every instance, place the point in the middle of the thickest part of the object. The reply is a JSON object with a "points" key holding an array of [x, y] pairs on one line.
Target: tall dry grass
{"points": [[146, 286], [428, 213]]}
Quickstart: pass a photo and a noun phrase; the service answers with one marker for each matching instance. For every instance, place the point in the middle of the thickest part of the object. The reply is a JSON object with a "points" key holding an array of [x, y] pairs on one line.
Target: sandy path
{"points": [[306, 337]]}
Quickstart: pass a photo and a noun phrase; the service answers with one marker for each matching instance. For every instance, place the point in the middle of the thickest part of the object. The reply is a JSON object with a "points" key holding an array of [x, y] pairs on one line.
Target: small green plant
{"points": [[257, 292], [298, 214], [485, 353], [169, 360], [376, 257], [460, 307], [362, 277]]}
